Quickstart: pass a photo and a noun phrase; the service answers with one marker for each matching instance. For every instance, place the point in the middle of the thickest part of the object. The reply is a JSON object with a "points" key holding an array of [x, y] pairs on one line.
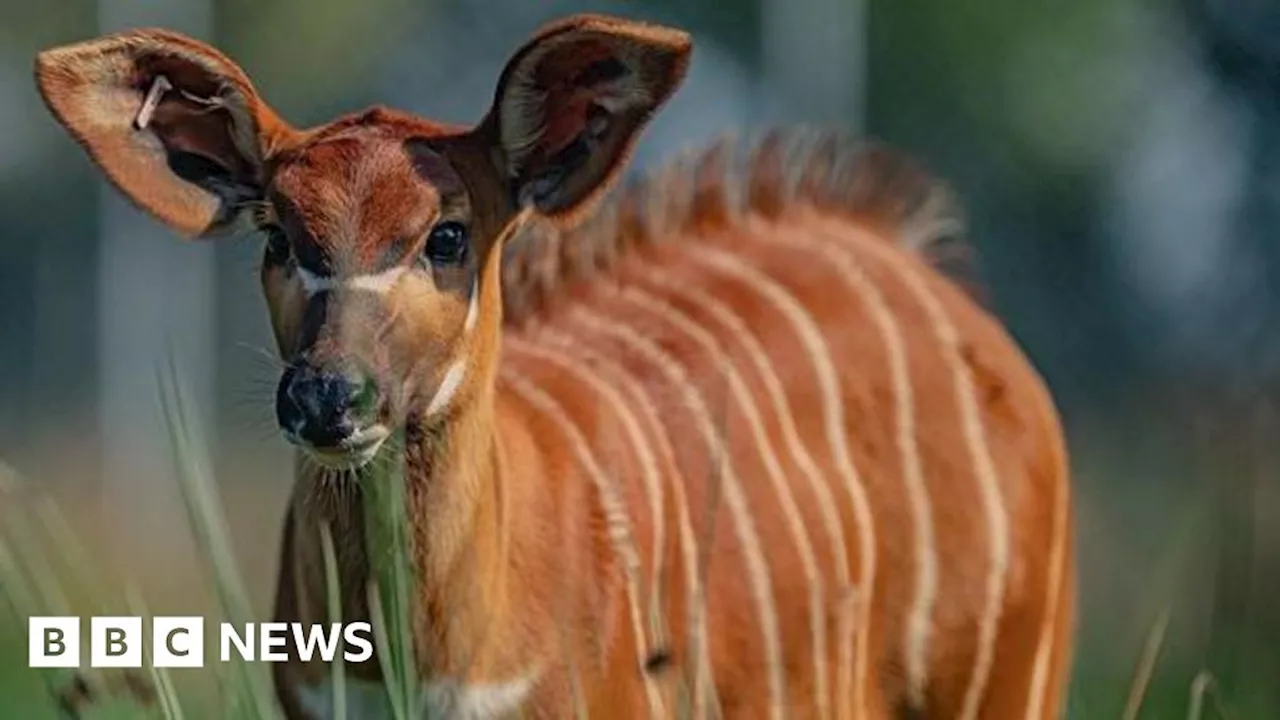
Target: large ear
{"points": [[173, 123], [571, 102]]}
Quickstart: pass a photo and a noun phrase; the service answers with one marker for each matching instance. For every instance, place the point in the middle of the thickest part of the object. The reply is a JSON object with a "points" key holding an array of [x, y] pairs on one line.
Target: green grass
{"points": [[387, 541]]}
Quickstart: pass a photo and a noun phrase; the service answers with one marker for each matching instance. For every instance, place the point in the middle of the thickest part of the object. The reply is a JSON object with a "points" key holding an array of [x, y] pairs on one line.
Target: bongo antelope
{"points": [[726, 443]]}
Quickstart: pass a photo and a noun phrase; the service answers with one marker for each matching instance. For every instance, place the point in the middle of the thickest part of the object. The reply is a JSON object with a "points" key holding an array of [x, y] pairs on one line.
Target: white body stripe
{"points": [[984, 469], [920, 614], [777, 395], [811, 338], [616, 518], [649, 468], [744, 526], [1049, 628], [703, 681], [787, 502]]}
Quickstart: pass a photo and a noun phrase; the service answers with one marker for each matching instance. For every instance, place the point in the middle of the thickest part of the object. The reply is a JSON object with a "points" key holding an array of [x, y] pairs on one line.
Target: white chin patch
{"points": [[364, 448]]}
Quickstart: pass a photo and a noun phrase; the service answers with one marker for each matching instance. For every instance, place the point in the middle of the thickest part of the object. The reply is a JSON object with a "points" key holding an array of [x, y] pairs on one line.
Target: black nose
{"points": [[318, 407]]}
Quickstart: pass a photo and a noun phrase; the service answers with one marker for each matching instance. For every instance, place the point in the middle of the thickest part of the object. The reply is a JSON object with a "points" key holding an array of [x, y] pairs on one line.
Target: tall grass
{"points": [[387, 544], [45, 569], [333, 601], [245, 687]]}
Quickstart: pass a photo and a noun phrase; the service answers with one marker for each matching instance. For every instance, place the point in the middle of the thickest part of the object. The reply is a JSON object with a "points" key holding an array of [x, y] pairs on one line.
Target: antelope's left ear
{"points": [[570, 105]]}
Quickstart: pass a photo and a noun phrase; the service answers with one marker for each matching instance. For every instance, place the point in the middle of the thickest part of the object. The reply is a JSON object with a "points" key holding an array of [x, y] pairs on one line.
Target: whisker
{"points": [[264, 433], [259, 352]]}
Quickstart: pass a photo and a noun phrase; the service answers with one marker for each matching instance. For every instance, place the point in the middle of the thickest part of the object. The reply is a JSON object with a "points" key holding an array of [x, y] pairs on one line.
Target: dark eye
{"points": [[447, 243], [277, 250]]}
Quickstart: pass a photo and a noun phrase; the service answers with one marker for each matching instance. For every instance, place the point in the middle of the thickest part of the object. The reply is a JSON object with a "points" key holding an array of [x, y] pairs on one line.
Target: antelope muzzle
{"points": [[331, 414]]}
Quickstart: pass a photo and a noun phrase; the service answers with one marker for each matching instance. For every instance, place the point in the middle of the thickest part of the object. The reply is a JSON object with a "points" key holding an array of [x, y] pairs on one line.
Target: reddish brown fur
{"points": [[519, 566]]}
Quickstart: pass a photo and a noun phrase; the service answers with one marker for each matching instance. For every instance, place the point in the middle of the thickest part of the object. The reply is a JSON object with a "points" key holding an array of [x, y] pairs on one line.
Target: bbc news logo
{"points": [[178, 642]]}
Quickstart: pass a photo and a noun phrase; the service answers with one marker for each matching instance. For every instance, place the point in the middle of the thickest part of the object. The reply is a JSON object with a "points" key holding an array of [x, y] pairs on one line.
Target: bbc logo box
{"points": [[53, 642], [115, 642], [179, 642]]}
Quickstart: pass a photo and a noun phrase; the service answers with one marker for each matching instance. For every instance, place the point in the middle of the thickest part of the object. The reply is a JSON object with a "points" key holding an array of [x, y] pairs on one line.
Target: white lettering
{"points": [[316, 637], [228, 637], [273, 636], [350, 634]]}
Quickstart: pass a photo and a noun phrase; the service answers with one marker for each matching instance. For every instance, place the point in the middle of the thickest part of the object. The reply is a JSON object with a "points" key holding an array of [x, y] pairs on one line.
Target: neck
{"points": [[457, 522], [458, 529], [454, 500]]}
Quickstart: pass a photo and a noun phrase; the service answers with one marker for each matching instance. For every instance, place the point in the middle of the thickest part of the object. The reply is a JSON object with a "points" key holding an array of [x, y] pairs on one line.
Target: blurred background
{"points": [[1120, 161]]}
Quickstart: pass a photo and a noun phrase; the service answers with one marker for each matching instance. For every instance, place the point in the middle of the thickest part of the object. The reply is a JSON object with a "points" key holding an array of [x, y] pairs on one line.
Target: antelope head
{"points": [[383, 231]]}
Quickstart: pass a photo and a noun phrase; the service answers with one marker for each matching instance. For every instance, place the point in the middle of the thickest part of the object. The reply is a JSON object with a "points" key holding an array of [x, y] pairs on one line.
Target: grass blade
{"points": [[386, 656], [333, 590], [208, 523], [1146, 666], [387, 544], [160, 678]]}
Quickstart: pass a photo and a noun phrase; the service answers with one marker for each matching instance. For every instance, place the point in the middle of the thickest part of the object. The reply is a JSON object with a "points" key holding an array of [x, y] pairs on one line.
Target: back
{"points": [[841, 489]]}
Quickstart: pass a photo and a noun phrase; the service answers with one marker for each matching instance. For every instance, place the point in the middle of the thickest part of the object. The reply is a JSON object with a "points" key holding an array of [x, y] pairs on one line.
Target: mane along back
{"points": [[712, 189]]}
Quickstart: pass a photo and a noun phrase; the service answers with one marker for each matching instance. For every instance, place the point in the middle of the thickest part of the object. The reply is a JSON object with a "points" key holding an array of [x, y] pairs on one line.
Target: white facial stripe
{"points": [[377, 282], [380, 283], [383, 282], [449, 385]]}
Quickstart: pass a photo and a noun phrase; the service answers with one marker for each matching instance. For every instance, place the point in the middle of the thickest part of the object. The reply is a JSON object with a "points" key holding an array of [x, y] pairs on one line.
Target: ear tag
{"points": [[159, 87]]}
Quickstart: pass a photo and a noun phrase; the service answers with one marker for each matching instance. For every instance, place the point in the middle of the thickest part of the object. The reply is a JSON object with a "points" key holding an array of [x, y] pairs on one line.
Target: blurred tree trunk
{"points": [[155, 294], [815, 52]]}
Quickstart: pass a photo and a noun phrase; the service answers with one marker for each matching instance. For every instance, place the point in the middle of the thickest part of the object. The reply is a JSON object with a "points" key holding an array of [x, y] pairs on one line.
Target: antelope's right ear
{"points": [[174, 124]]}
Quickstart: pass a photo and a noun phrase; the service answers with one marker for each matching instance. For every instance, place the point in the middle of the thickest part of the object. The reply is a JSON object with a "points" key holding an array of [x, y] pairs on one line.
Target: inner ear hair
{"points": [[571, 102], [617, 82], [539, 189]]}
